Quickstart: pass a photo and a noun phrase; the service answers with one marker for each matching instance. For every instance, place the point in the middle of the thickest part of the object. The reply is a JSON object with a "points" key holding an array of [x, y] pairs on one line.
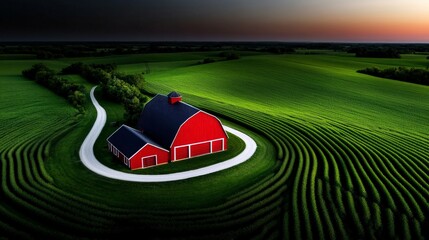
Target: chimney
{"points": [[174, 97]]}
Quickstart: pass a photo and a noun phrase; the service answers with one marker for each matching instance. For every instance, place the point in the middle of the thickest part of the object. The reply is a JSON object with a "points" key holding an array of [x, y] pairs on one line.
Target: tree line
{"points": [[115, 86], [118, 87], [51, 50], [377, 52], [224, 56], [412, 75], [74, 93]]}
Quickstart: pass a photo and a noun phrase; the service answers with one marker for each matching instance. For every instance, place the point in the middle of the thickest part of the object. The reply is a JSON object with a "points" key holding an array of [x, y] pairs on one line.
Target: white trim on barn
{"points": [[178, 130], [181, 125], [199, 110], [112, 147], [156, 160], [223, 145], [191, 144], [152, 146], [127, 161], [114, 132], [115, 151], [107, 139], [221, 125]]}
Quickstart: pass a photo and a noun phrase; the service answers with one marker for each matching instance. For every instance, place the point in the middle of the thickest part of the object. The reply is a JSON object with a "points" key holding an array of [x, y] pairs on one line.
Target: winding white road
{"points": [[88, 158]]}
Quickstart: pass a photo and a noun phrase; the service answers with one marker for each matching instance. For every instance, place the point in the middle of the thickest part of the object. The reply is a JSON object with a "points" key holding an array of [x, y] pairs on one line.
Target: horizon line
{"points": [[210, 41]]}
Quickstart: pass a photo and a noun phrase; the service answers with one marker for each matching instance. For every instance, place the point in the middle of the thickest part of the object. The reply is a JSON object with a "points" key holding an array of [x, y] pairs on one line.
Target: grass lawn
{"points": [[314, 87]]}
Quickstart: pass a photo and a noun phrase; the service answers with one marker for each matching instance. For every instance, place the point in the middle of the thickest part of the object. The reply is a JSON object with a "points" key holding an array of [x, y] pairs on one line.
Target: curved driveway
{"points": [[86, 154]]}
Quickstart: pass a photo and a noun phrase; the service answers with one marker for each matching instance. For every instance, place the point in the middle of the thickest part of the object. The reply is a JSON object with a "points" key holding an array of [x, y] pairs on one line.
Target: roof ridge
{"points": [[143, 136]]}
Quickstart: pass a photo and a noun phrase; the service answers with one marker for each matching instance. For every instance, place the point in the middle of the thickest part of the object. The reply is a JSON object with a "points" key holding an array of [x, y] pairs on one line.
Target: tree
{"points": [[133, 108], [74, 68], [31, 73], [413, 75], [62, 87], [119, 87], [133, 79], [77, 99], [108, 67]]}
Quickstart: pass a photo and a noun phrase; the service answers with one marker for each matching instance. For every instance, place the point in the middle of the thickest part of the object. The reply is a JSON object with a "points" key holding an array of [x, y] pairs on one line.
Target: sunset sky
{"points": [[216, 20]]}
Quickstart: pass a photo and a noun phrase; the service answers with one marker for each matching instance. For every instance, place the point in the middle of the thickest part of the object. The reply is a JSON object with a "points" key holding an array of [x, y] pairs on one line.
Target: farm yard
{"points": [[340, 154]]}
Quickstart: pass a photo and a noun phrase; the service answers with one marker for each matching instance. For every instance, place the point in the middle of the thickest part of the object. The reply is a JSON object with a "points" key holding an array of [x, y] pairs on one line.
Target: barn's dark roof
{"points": [[129, 140], [173, 94], [161, 120]]}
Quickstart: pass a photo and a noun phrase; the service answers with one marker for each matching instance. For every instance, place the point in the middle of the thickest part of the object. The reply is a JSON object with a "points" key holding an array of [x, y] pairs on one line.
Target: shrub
{"points": [[75, 68], [44, 76], [108, 67], [133, 79], [115, 86], [31, 73]]}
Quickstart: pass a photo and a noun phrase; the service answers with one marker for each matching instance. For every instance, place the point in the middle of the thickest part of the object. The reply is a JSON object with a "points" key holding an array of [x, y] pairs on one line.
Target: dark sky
{"points": [[176, 20]]}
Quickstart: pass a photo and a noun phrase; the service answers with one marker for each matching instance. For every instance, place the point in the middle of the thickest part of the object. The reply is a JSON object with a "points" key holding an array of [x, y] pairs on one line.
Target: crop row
{"points": [[406, 195], [359, 164], [29, 188], [336, 182]]}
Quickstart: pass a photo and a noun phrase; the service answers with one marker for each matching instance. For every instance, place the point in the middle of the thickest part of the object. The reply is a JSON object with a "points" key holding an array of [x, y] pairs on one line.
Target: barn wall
{"points": [[149, 150], [199, 128], [120, 156]]}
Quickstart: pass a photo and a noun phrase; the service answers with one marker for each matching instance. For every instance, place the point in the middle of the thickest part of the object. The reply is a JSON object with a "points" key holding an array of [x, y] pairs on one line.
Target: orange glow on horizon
{"points": [[378, 21], [396, 30]]}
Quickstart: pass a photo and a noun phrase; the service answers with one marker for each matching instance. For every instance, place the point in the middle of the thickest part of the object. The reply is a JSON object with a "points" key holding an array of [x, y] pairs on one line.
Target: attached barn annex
{"points": [[168, 130]]}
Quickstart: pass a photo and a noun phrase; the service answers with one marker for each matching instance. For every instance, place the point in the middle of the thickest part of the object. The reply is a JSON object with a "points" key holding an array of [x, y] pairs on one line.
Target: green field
{"points": [[340, 154]]}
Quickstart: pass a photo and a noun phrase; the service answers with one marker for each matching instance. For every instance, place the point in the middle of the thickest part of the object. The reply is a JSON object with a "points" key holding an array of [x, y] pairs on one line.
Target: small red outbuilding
{"points": [[169, 130], [135, 149]]}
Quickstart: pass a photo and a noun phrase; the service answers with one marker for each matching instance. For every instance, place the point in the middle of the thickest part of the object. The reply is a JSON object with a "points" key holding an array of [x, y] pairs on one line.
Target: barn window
{"points": [[115, 152]]}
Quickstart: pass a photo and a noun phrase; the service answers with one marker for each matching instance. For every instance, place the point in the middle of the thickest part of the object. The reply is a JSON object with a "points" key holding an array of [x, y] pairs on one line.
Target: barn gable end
{"points": [[149, 156], [201, 134], [129, 140]]}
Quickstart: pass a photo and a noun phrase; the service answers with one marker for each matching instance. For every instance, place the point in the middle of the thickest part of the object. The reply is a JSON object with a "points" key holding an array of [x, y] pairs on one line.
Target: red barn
{"points": [[169, 127], [135, 149]]}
